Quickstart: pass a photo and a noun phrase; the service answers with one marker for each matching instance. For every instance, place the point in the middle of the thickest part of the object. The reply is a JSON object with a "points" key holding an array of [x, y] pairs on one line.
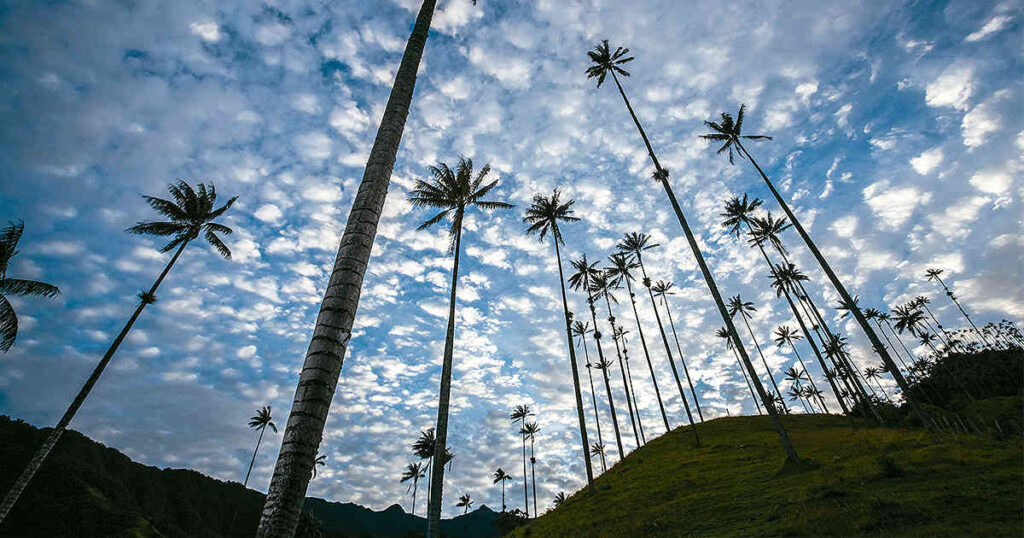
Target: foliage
{"points": [[509, 521]]}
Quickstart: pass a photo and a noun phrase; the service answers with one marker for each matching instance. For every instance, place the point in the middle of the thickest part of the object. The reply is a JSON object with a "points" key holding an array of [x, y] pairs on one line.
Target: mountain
{"points": [[86, 489]]}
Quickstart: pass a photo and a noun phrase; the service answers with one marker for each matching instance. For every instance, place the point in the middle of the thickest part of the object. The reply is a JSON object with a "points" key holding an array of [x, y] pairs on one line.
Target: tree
{"points": [[319, 461], [620, 338], [559, 499], [465, 502], [9, 287], [784, 335], [414, 472], [723, 333], [191, 213], [872, 372], [519, 414], [597, 449], [636, 243], [261, 421], [935, 275], [729, 132], [580, 331], [501, 476], [663, 289], [425, 448], [452, 193], [604, 285], [544, 217], [584, 279], [737, 306], [322, 365], [531, 429], [605, 62]]}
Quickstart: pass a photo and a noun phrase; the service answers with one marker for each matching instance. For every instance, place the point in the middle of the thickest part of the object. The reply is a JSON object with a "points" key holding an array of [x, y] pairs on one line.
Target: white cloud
{"points": [[926, 162], [893, 205], [315, 146], [845, 226], [272, 34], [246, 352], [992, 26], [206, 30], [952, 88], [982, 121], [992, 181], [511, 71], [349, 120], [268, 213]]}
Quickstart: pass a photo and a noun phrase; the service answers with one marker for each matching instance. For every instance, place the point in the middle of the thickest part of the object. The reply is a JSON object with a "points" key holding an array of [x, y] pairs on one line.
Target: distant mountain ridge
{"points": [[87, 489]]}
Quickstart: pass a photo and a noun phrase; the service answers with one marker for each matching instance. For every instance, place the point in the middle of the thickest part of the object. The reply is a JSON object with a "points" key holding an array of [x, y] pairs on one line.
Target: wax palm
{"points": [[743, 309], [261, 421], [580, 330], [603, 62], [465, 502], [908, 319], [621, 339], [783, 336], [663, 289], [559, 499], [769, 230], [190, 213], [501, 476], [319, 461], [795, 391], [543, 217], [723, 333], [936, 276], [603, 285], [597, 449], [730, 133], [531, 429], [872, 373], [413, 473], [519, 415], [739, 212], [452, 193], [10, 287]]}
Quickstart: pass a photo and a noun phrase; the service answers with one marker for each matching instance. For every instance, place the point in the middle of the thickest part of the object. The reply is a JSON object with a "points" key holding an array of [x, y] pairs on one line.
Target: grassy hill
{"points": [[855, 482]]}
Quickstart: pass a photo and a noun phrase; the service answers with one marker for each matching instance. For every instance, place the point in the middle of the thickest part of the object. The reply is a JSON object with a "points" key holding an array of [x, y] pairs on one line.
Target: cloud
{"points": [[990, 27], [315, 146], [926, 162], [983, 120], [893, 205], [953, 88], [206, 30], [268, 213]]}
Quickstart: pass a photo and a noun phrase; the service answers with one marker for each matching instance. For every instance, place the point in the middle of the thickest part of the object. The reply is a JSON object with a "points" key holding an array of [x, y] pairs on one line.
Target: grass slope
{"points": [[863, 481]]}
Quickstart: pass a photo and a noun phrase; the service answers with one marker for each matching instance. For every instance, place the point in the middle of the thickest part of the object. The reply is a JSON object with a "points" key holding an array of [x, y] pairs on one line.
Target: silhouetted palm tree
{"points": [[873, 373], [531, 429], [465, 502], [663, 289], [934, 275], [597, 449], [559, 499], [723, 333], [414, 472], [605, 62], [620, 338], [795, 392], [519, 415], [729, 132], [424, 448], [10, 287], [501, 476], [737, 306], [319, 461], [191, 213], [604, 284], [784, 335], [580, 331], [452, 193], [261, 422]]}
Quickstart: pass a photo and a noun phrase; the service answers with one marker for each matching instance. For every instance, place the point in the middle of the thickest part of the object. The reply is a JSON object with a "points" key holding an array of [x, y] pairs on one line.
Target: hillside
{"points": [[86, 489], [856, 481]]}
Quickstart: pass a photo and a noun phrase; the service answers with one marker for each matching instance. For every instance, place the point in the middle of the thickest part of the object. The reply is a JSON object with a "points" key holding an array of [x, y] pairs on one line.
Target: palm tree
{"points": [[559, 499], [425, 448], [191, 213], [261, 421], [605, 62], [319, 461], [531, 429], [519, 415], [332, 332], [414, 472], [934, 275], [9, 238], [584, 279], [465, 502], [621, 270], [636, 243], [580, 331], [784, 335], [723, 333], [873, 373], [729, 132], [501, 476], [604, 285], [452, 193], [738, 307], [597, 449], [620, 338], [663, 289], [543, 217]]}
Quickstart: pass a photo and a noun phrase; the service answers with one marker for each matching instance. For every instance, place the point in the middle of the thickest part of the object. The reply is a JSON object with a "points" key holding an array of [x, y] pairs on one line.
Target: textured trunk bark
{"points": [[604, 372], [326, 353], [679, 349], [622, 369], [647, 355], [254, 452], [37, 459]]}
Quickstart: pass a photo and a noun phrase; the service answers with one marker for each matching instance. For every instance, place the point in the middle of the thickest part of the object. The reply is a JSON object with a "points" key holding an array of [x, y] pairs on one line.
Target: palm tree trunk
{"points": [[962, 311], [764, 361], [593, 398], [622, 369], [893, 347], [251, 463], [434, 498], [876, 344], [809, 378], [662, 175], [502, 495], [604, 371], [322, 365], [679, 349], [632, 390], [37, 459], [647, 355], [533, 478], [575, 373], [414, 484], [743, 371], [817, 354], [526, 488]]}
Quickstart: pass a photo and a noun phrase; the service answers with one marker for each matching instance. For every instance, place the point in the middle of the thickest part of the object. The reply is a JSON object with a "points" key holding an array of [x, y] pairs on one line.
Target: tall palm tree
{"points": [[922, 302], [501, 476], [320, 370], [414, 472], [531, 429], [723, 333], [620, 338], [795, 392], [584, 279], [784, 335], [935, 275], [597, 449], [452, 193], [621, 271], [729, 132], [261, 421], [872, 372], [737, 306], [603, 63], [580, 330], [604, 285], [425, 448], [9, 237], [544, 216], [191, 213], [636, 243], [663, 289], [465, 502], [319, 461], [559, 499], [519, 415]]}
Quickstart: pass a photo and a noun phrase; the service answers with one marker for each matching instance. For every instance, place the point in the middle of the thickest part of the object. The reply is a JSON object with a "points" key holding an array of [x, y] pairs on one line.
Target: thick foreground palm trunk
{"points": [[37, 459], [326, 352]]}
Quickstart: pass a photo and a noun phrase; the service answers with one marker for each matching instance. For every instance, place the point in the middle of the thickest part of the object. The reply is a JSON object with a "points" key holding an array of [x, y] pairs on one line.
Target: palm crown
{"points": [[465, 502], [769, 229], [636, 243], [622, 265], [500, 476], [585, 276], [605, 61], [263, 419], [423, 447], [545, 213], [738, 306], [739, 211], [9, 238], [192, 212], [520, 412], [662, 288], [785, 335], [729, 131], [531, 429], [414, 472]]}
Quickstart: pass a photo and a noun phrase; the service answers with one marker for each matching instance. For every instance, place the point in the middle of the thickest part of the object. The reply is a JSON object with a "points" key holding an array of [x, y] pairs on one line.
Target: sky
{"points": [[898, 138]]}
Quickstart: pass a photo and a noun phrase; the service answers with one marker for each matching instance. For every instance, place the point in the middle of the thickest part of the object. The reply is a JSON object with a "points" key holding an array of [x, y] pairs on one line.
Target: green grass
{"points": [[854, 482]]}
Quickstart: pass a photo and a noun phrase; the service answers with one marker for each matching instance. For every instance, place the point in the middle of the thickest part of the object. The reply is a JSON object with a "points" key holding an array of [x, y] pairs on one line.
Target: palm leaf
{"points": [[8, 325], [17, 286]]}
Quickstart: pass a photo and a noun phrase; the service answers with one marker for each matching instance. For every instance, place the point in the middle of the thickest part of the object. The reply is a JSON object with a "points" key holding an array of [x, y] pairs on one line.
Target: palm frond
{"points": [[8, 325], [17, 286], [217, 244], [158, 228]]}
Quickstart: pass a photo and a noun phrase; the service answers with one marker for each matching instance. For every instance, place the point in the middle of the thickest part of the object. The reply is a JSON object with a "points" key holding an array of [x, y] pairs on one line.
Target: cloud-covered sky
{"points": [[898, 136]]}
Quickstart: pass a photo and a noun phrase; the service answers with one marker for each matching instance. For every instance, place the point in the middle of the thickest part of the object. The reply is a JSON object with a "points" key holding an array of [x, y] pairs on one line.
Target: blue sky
{"points": [[898, 137]]}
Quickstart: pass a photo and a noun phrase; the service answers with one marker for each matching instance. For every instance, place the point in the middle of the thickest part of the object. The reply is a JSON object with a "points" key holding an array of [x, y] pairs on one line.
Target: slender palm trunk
{"points": [[526, 488], [764, 361], [37, 459], [647, 355], [817, 354], [434, 498], [632, 390], [604, 372], [322, 365], [662, 175], [575, 373], [882, 390], [533, 477], [743, 371], [251, 463], [502, 495], [962, 311], [593, 398], [809, 378], [910, 354], [893, 348], [414, 484], [682, 359], [622, 369]]}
